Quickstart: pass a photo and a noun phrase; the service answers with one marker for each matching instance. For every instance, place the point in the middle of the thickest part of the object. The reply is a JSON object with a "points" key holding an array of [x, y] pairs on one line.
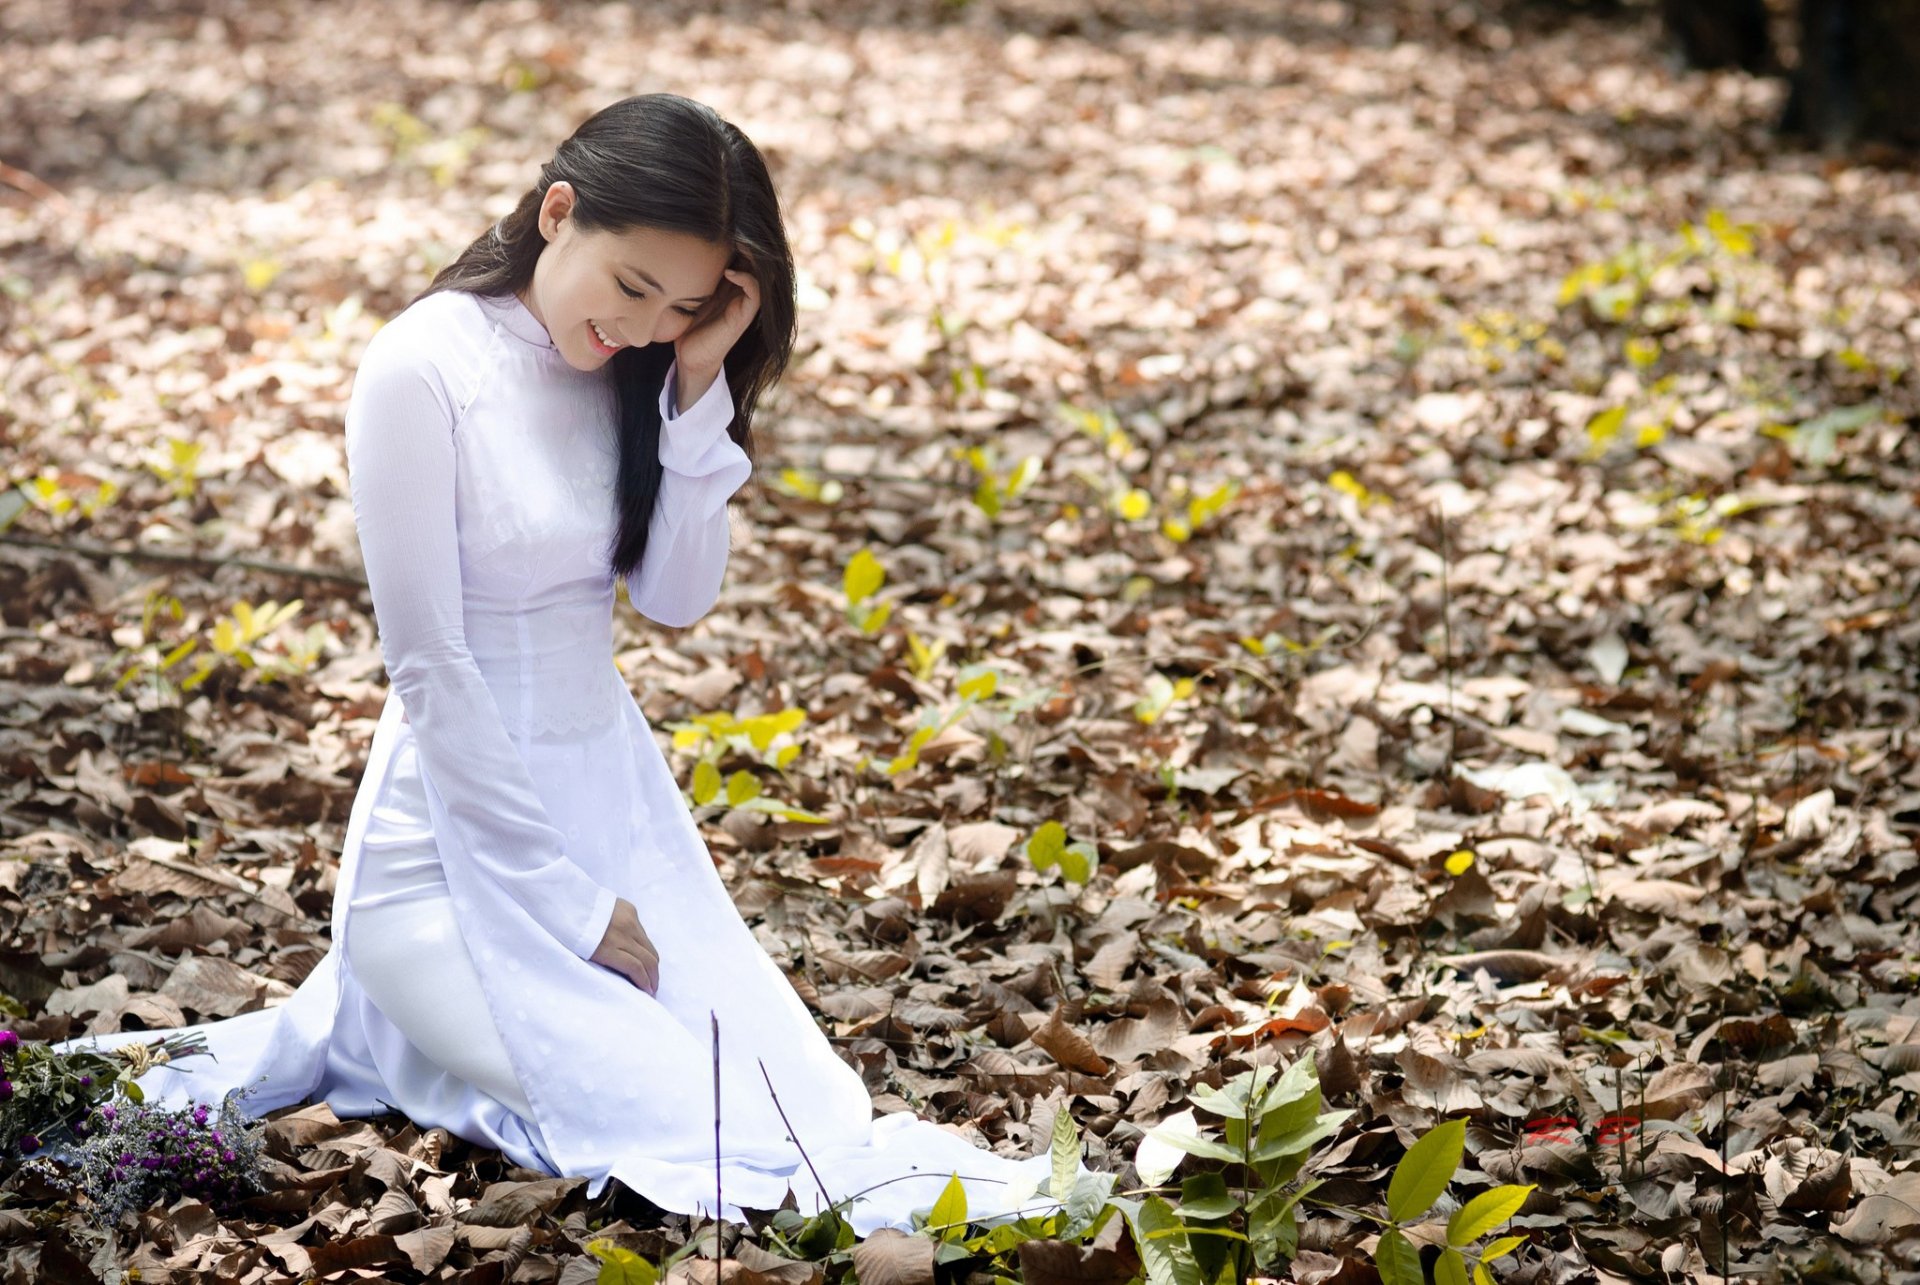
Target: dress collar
{"points": [[517, 320]]}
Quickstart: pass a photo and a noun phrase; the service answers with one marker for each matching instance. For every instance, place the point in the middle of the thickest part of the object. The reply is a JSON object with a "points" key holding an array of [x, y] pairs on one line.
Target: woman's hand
{"points": [[627, 949], [705, 344]]}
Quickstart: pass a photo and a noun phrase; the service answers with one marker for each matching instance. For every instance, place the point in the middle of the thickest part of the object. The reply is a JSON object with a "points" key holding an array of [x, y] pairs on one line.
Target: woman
{"points": [[530, 943]]}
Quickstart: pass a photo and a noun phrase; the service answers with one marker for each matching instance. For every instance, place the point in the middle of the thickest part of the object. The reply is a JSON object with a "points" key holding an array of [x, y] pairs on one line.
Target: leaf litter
{"points": [[1527, 738]]}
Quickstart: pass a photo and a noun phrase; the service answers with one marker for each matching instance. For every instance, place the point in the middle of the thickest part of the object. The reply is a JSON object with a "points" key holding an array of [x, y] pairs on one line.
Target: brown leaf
{"points": [[510, 1204], [1069, 1047], [891, 1257]]}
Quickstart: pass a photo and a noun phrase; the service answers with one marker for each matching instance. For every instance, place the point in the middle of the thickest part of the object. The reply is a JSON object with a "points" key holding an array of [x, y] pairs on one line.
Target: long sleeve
{"points": [[400, 461], [688, 539]]}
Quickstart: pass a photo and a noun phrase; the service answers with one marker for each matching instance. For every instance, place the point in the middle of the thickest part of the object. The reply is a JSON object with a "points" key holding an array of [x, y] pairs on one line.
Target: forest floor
{"points": [[1462, 601]]}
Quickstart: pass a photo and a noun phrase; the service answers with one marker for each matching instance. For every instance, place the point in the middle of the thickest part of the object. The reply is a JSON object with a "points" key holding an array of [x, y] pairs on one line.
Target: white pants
{"points": [[406, 948]]}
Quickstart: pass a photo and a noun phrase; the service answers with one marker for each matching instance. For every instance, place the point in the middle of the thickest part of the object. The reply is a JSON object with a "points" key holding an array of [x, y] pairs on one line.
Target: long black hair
{"points": [[667, 162]]}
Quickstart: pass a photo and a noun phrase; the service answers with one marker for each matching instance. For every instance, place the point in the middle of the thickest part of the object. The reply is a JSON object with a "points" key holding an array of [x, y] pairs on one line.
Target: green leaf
{"points": [[1501, 1248], [1451, 1269], [950, 1208], [1066, 1153], [1087, 1205], [621, 1266], [1076, 863], [1485, 1212], [1162, 1245], [1047, 844], [1195, 1145], [1398, 1260], [1294, 1143], [1273, 1225], [1205, 1195], [1424, 1172]]}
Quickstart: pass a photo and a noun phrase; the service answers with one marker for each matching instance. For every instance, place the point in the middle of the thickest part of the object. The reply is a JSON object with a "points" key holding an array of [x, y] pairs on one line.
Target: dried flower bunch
{"points": [[47, 1097], [135, 1156]]}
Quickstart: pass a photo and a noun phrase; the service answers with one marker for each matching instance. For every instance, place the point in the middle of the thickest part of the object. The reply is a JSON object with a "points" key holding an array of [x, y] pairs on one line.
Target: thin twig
{"points": [[793, 1133], [207, 561], [714, 1018]]}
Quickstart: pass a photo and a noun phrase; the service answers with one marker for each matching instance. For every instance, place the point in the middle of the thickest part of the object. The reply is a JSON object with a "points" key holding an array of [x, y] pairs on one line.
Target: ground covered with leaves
{"points": [[1384, 534]]}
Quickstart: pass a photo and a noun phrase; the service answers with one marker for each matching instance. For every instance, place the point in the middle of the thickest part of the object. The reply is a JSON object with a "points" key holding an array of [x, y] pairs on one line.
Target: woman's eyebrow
{"points": [[662, 289]]}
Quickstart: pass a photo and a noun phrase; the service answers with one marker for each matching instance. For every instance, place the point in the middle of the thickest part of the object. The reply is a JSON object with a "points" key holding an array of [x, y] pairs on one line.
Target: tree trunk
{"points": [[1713, 34], [1859, 73]]}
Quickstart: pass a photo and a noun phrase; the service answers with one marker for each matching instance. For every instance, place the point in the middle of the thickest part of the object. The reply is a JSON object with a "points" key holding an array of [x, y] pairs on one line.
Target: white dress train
{"points": [[514, 787]]}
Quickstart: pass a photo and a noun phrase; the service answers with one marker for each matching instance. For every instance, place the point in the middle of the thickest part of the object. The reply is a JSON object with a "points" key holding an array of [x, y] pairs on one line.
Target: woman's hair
{"points": [[668, 162]]}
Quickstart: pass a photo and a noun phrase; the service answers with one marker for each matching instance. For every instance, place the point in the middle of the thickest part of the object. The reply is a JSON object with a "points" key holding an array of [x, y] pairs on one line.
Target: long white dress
{"points": [[482, 470]]}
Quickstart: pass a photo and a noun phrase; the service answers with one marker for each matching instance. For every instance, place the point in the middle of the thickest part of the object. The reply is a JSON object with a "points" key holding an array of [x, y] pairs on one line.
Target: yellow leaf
{"points": [[864, 575], [706, 782], [785, 755], [1643, 351], [1133, 504], [688, 738], [1460, 862], [1604, 427], [980, 686], [877, 618], [741, 786], [259, 273]]}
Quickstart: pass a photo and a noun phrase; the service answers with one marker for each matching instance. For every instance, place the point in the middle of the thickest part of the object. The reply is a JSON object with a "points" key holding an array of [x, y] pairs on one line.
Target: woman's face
{"points": [[637, 287]]}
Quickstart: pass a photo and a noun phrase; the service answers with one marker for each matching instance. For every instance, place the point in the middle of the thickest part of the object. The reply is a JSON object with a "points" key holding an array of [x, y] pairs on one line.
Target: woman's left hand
{"points": [[704, 345]]}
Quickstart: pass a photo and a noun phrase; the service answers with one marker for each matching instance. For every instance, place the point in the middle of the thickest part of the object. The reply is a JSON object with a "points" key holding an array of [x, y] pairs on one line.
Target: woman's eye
{"points": [[630, 293], [688, 312]]}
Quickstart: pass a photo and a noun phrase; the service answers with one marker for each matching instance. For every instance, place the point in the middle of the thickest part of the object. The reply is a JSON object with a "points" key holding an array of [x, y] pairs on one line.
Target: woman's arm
{"points": [[400, 467], [687, 540]]}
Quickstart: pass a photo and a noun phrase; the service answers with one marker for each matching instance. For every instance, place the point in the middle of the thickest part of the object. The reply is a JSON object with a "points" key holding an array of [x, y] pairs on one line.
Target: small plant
{"points": [[1200, 509], [1270, 1125], [1161, 695], [180, 469], [996, 487], [233, 638], [1048, 848], [863, 578], [974, 685], [412, 140], [63, 496], [921, 657], [715, 735], [807, 485], [1418, 1181]]}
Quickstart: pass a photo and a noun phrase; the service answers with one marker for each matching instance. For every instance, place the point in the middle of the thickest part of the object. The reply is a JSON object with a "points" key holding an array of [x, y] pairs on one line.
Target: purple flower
{"points": [[6, 1090], [200, 1114], [126, 1157], [107, 1113], [86, 1079], [227, 1156], [9, 1041], [29, 1144]]}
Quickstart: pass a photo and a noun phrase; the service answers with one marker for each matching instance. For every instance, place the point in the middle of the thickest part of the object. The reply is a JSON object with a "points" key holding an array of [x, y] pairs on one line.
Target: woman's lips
{"points": [[594, 336]]}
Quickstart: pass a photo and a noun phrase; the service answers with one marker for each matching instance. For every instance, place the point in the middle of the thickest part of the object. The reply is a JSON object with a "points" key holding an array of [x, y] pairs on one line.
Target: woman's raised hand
{"points": [[704, 345], [627, 949]]}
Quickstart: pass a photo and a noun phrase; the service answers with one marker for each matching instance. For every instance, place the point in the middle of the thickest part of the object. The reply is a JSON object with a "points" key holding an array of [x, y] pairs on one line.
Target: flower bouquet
{"points": [[46, 1097], [135, 1156], [81, 1122]]}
